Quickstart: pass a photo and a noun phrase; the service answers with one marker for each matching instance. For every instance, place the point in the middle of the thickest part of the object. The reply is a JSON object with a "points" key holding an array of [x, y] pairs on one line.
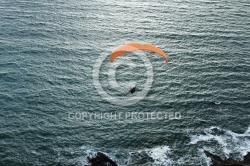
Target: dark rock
{"points": [[101, 159], [247, 158], [218, 161]]}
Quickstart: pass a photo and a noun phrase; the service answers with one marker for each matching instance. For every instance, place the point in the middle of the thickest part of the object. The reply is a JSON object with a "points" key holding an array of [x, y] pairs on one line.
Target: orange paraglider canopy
{"points": [[133, 46]]}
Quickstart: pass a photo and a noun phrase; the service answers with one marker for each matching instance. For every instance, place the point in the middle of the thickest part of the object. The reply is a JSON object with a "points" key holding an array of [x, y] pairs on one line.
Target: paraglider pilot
{"points": [[132, 90]]}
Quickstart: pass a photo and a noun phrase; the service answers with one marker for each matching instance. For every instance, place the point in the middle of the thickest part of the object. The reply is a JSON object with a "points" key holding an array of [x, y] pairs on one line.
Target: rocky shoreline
{"points": [[100, 159], [218, 161]]}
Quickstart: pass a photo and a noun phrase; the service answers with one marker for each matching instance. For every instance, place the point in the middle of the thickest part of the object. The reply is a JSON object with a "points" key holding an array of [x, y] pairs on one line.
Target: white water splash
{"points": [[231, 142], [159, 155]]}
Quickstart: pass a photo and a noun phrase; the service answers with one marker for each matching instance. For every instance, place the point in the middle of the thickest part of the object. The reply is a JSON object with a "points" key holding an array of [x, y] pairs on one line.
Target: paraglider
{"points": [[133, 46]]}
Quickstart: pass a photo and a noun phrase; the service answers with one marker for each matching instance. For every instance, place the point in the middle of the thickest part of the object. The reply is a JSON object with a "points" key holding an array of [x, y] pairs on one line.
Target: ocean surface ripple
{"points": [[48, 49]]}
